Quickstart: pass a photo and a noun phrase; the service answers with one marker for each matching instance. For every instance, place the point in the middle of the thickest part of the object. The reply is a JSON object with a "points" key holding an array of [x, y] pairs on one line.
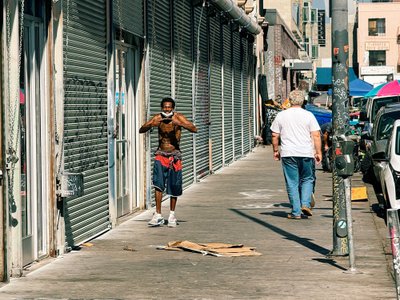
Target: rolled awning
{"points": [[238, 15]]}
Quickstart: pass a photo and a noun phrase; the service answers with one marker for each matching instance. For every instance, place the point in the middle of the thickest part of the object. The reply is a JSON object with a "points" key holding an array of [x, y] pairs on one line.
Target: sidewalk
{"points": [[245, 203]]}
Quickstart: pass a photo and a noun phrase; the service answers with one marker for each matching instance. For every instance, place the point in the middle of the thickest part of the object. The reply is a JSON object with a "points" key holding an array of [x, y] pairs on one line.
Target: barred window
{"points": [[376, 27]]}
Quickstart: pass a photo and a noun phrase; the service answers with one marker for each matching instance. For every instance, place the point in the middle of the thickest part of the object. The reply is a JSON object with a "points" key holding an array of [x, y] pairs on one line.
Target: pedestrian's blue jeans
{"points": [[299, 178]]}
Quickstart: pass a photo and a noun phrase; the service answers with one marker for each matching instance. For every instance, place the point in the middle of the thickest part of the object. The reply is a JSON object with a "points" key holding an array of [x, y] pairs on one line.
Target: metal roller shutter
{"points": [[228, 102], [237, 95], [129, 14], [252, 75], [216, 103], [201, 91], [85, 117], [246, 96], [159, 39], [183, 53]]}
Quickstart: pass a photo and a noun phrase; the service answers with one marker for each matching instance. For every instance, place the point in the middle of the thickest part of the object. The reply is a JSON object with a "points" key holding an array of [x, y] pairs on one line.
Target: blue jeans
{"points": [[299, 177]]}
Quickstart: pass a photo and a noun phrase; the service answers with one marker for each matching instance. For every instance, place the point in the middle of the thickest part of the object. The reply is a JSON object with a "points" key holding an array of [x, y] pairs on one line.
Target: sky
{"points": [[325, 4]]}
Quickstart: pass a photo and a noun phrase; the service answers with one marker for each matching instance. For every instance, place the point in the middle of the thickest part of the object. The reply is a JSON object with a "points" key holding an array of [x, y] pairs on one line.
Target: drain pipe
{"points": [[238, 15]]}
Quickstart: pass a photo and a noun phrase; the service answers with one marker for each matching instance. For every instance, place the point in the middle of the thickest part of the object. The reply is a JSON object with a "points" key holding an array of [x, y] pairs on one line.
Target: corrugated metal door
{"points": [[252, 75], [183, 54], [159, 39], [128, 15], [85, 117], [246, 96], [216, 101], [202, 117], [237, 95], [228, 100]]}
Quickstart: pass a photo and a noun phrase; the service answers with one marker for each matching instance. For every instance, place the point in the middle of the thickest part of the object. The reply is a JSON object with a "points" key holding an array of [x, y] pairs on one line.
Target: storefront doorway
{"points": [[33, 141], [126, 112]]}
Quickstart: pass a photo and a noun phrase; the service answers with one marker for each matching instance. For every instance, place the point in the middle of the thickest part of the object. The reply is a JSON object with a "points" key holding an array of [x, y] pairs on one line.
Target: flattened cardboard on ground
{"points": [[214, 249]]}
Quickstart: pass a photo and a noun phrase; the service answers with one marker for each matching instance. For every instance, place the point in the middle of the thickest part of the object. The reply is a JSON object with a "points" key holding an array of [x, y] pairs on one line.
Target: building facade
{"points": [[290, 37], [378, 42]]}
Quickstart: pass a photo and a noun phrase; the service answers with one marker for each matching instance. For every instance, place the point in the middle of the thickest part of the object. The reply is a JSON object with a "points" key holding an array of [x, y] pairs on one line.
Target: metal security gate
{"points": [[216, 101], [183, 58], [246, 96], [85, 117], [227, 99], [201, 91], [237, 95], [160, 62], [129, 15], [252, 89]]}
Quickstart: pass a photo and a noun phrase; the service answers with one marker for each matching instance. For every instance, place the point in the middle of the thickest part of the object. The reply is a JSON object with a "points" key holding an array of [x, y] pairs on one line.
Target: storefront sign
{"points": [[377, 70], [377, 46]]}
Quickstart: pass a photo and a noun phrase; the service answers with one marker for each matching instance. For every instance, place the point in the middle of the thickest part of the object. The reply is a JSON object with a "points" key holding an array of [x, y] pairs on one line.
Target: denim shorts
{"points": [[168, 175]]}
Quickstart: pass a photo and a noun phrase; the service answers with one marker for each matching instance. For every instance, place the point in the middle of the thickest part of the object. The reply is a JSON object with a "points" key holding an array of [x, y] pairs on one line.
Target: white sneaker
{"points": [[172, 222], [157, 220]]}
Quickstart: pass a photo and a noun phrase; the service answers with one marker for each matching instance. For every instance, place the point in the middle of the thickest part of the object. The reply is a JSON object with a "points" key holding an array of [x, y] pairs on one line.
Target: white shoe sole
{"points": [[156, 225], [172, 224]]}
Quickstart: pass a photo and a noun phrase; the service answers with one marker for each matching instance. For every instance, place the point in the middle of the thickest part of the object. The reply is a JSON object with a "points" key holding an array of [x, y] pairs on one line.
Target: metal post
{"points": [[352, 261], [394, 234], [340, 116]]}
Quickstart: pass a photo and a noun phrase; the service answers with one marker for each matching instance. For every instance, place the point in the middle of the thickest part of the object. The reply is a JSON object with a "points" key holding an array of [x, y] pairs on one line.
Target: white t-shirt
{"points": [[295, 126]]}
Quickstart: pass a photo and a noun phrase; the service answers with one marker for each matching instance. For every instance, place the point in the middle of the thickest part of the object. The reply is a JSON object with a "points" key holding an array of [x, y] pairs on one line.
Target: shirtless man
{"points": [[167, 172]]}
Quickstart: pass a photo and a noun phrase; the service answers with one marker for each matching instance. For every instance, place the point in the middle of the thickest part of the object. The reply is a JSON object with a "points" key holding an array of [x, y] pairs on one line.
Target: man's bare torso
{"points": [[169, 136]]}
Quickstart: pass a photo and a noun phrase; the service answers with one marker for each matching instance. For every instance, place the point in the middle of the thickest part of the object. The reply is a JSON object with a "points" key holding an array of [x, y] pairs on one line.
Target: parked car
{"points": [[390, 175], [372, 106], [378, 142]]}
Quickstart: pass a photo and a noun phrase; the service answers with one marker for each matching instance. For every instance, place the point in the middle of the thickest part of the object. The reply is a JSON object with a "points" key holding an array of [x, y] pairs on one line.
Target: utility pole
{"points": [[340, 55]]}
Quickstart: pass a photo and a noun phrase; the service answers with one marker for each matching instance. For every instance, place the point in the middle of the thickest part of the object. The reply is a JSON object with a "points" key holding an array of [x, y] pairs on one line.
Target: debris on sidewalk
{"points": [[128, 248], [214, 249]]}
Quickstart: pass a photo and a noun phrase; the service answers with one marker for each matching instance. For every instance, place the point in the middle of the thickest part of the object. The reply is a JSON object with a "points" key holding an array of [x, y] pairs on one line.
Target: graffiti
{"points": [[85, 115], [270, 74], [83, 85]]}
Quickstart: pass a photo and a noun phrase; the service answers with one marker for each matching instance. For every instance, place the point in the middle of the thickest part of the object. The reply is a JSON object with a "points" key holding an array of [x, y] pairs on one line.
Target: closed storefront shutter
{"points": [[159, 39], [252, 89], [85, 117], [201, 91], [183, 80], [237, 95], [246, 96], [227, 86], [129, 15], [216, 103]]}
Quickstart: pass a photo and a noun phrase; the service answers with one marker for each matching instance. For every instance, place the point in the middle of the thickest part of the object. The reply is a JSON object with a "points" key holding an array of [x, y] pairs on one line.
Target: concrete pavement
{"points": [[244, 203]]}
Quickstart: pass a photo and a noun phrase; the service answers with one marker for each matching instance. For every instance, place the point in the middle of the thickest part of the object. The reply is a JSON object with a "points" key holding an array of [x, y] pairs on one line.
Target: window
{"points": [[376, 27], [385, 125], [314, 51], [377, 58]]}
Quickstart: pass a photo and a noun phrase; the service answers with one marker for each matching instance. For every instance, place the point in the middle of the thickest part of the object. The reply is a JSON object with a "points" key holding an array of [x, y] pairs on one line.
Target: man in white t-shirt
{"points": [[299, 133]]}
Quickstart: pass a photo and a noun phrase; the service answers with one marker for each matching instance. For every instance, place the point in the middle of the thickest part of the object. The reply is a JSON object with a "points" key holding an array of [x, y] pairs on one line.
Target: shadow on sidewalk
{"points": [[302, 241]]}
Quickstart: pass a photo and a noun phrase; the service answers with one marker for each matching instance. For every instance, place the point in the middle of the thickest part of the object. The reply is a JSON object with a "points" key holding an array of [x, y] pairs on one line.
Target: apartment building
{"points": [[378, 38]]}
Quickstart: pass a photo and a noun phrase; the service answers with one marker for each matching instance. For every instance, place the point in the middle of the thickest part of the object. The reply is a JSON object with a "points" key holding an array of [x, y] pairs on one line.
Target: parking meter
{"points": [[344, 161]]}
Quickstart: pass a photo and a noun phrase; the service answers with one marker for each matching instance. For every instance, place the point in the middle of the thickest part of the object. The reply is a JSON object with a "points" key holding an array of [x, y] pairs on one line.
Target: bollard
{"points": [[394, 234]]}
